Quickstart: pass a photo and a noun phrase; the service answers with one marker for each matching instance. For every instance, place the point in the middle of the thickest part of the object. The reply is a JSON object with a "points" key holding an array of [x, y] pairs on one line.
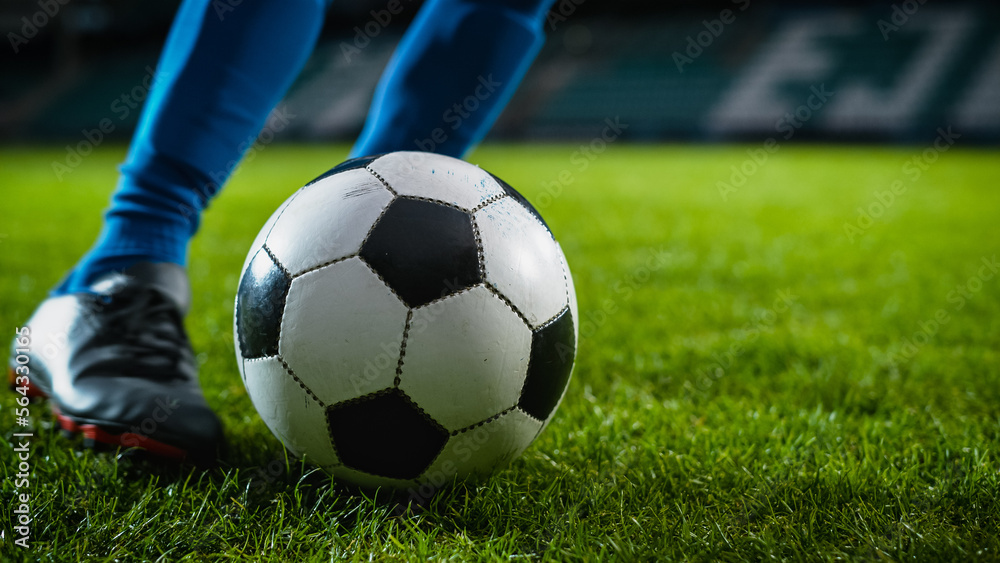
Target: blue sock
{"points": [[456, 68], [221, 72]]}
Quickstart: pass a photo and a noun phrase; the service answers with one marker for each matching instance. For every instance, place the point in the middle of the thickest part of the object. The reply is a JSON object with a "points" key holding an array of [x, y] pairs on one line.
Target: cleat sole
{"points": [[94, 435]]}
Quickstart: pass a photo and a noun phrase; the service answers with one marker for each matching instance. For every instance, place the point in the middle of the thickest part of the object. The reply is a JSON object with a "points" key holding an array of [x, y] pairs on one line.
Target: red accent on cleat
{"points": [[97, 434], [124, 440], [32, 392]]}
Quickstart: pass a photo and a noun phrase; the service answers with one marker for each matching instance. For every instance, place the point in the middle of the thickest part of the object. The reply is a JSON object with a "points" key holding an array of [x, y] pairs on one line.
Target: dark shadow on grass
{"points": [[257, 477]]}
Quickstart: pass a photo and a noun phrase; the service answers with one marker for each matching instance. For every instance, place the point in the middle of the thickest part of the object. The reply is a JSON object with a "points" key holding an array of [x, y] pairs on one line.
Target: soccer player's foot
{"points": [[117, 365]]}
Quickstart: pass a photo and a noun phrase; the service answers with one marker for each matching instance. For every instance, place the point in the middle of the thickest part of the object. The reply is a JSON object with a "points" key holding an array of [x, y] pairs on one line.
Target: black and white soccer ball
{"points": [[404, 319]]}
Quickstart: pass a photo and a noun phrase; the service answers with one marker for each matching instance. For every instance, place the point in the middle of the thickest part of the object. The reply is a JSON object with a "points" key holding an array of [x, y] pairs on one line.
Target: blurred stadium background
{"points": [[671, 70]]}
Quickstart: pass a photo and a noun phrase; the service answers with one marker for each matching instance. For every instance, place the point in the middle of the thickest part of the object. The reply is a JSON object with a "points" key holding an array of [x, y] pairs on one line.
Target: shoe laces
{"points": [[148, 325]]}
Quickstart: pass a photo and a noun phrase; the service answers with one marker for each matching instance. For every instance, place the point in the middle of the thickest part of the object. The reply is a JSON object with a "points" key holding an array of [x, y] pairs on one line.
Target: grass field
{"points": [[775, 386]]}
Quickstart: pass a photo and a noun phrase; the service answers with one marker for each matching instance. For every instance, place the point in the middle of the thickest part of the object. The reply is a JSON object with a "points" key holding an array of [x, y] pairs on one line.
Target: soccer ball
{"points": [[405, 319]]}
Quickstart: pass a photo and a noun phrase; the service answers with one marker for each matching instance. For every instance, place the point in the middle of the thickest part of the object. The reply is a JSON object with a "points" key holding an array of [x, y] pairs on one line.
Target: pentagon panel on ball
{"points": [[424, 250], [406, 319], [260, 303], [385, 434]]}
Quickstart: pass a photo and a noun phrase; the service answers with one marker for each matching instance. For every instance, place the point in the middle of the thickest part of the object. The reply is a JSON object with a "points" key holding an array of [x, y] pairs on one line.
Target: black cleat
{"points": [[118, 367]]}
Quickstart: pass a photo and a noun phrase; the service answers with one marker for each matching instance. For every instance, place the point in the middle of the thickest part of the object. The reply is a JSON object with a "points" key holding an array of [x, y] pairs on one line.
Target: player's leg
{"points": [[453, 72], [113, 354], [221, 72]]}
